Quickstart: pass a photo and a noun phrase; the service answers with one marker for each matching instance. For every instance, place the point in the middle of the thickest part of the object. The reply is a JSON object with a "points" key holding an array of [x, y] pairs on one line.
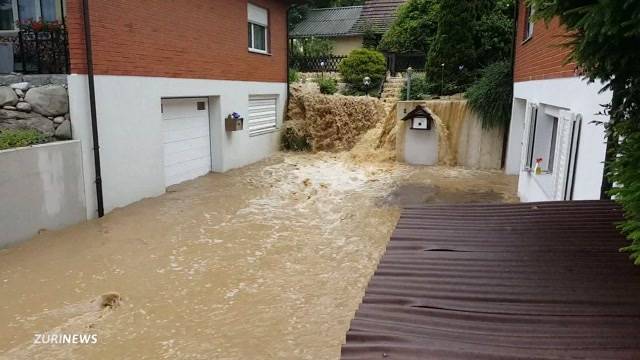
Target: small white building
{"points": [[556, 120]]}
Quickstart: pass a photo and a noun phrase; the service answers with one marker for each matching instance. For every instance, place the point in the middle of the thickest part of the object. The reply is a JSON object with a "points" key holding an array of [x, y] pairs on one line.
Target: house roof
{"points": [[336, 21], [503, 281], [376, 15]]}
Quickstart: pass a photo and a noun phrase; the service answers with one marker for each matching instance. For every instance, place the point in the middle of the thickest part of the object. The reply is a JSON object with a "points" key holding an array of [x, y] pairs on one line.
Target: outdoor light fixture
{"points": [[409, 72]]}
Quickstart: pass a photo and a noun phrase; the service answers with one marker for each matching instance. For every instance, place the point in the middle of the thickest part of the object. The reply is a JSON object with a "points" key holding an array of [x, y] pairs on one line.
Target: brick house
{"points": [[167, 75], [554, 110]]}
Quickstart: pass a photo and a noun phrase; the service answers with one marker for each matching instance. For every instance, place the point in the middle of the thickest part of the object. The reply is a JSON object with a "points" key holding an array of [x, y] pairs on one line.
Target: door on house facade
{"points": [[186, 139]]}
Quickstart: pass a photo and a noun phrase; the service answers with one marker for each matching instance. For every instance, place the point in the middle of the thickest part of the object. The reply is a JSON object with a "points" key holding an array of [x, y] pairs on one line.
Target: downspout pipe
{"points": [[92, 104]]}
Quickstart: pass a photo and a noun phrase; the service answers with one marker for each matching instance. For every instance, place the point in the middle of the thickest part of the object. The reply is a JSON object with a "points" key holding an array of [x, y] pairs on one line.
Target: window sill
{"points": [[259, 52], [9, 32]]}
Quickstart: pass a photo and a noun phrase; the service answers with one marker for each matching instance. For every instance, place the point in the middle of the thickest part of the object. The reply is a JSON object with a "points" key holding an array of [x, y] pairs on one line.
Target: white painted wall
{"points": [[579, 97], [420, 146], [130, 130], [41, 187]]}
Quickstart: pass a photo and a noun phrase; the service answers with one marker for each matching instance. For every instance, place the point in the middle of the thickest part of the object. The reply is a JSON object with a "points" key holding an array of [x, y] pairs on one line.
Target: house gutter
{"points": [[92, 104]]}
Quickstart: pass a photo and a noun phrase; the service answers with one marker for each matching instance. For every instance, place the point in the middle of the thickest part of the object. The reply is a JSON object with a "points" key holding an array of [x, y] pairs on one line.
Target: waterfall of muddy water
{"points": [[332, 122]]}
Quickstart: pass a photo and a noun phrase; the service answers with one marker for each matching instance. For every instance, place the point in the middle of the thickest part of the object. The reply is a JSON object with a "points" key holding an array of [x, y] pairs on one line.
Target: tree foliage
{"points": [[605, 44], [413, 29], [492, 94], [470, 36]]}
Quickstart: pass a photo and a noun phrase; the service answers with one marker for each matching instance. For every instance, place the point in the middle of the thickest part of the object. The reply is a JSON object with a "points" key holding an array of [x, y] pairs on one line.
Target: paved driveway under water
{"points": [[265, 262]]}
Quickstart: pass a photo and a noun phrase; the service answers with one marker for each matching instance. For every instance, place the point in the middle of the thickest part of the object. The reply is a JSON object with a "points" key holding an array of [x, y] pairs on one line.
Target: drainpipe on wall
{"points": [[92, 104], [286, 110], [505, 138]]}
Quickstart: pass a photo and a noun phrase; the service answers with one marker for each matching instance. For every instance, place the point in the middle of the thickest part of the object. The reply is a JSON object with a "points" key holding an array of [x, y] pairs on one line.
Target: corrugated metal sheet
{"points": [[328, 22], [516, 281]]}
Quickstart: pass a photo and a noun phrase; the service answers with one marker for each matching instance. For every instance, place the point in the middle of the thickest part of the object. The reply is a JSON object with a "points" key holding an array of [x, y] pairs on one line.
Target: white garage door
{"points": [[187, 146]]}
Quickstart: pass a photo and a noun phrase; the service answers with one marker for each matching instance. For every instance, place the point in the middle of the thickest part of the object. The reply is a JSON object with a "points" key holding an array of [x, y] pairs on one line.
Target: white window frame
{"points": [[530, 24], [38, 5], [258, 16]]}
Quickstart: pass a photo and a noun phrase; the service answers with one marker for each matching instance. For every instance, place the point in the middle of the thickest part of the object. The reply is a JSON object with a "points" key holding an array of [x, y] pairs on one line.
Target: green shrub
{"points": [[491, 95], [294, 76], [362, 63], [19, 138], [293, 140], [327, 85], [419, 88]]}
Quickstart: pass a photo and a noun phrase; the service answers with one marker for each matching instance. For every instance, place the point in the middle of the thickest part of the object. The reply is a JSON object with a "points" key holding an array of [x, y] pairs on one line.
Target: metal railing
{"points": [[315, 63], [41, 52]]}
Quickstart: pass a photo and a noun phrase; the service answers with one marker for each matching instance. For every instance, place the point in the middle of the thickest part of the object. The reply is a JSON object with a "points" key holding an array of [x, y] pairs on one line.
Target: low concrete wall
{"points": [[41, 187], [457, 138]]}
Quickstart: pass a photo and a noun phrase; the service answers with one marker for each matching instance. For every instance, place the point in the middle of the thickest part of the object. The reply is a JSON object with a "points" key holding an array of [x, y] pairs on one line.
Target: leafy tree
{"points": [[312, 47], [471, 35], [413, 29], [605, 38], [491, 95]]}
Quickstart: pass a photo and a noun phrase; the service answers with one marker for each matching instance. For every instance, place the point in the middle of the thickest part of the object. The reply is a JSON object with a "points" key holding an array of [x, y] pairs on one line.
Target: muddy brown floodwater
{"points": [[265, 262]]}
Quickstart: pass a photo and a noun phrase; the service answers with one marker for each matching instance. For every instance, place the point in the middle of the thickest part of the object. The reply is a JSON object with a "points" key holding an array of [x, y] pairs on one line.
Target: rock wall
{"points": [[39, 102]]}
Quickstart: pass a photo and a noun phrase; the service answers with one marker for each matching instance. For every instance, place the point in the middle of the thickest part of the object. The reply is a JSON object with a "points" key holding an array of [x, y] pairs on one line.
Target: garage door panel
{"points": [[184, 155], [180, 146], [186, 134], [187, 147]]}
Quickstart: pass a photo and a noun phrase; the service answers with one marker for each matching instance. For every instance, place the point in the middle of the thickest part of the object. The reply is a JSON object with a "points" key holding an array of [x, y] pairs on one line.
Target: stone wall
{"points": [[39, 102]]}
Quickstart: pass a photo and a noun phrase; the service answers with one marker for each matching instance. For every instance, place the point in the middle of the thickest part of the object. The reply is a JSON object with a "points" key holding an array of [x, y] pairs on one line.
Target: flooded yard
{"points": [[265, 262]]}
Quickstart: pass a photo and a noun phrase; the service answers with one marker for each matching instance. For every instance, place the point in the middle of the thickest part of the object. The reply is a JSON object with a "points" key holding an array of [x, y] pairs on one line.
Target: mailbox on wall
{"points": [[420, 119]]}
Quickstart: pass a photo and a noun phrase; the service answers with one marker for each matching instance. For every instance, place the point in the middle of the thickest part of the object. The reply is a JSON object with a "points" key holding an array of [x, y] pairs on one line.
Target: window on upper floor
{"points": [[14, 11], [258, 29], [528, 26]]}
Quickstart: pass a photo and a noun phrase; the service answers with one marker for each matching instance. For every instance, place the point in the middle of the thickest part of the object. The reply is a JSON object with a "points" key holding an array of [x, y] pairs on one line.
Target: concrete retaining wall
{"points": [[41, 187]]}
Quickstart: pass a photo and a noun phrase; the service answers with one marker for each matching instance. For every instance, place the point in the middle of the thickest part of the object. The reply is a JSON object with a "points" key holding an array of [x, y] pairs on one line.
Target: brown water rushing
{"points": [[265, 262]]}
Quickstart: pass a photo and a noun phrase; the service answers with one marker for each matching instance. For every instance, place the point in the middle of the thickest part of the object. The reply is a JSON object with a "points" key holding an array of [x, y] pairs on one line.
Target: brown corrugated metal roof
{"points": [[516, 281]]}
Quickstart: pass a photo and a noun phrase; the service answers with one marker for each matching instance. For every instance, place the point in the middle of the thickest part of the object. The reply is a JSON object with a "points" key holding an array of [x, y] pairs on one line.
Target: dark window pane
{"points": [[249, 32], [6, 15], [259, 40]]}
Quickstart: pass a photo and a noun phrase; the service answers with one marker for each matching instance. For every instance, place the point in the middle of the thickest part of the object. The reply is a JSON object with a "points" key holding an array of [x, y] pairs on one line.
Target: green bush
{"points": [[491, 95], [327, 85], [362, 63], [19, 138], [419, 88], [294, 76], [292, 140]]}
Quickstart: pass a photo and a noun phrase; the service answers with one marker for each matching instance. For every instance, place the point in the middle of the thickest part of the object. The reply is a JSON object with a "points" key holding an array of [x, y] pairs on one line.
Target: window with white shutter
{"points": [[262, 114]]}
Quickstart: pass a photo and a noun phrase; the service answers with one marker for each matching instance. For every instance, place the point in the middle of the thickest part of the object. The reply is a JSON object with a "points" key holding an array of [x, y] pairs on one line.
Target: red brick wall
{"points": [[200, 39], [542, 56]]}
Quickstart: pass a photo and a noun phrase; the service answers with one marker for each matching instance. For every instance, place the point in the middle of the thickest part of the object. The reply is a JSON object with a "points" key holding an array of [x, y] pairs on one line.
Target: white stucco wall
{"points": [[130, 130], [579, 97], [41, 187]]}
